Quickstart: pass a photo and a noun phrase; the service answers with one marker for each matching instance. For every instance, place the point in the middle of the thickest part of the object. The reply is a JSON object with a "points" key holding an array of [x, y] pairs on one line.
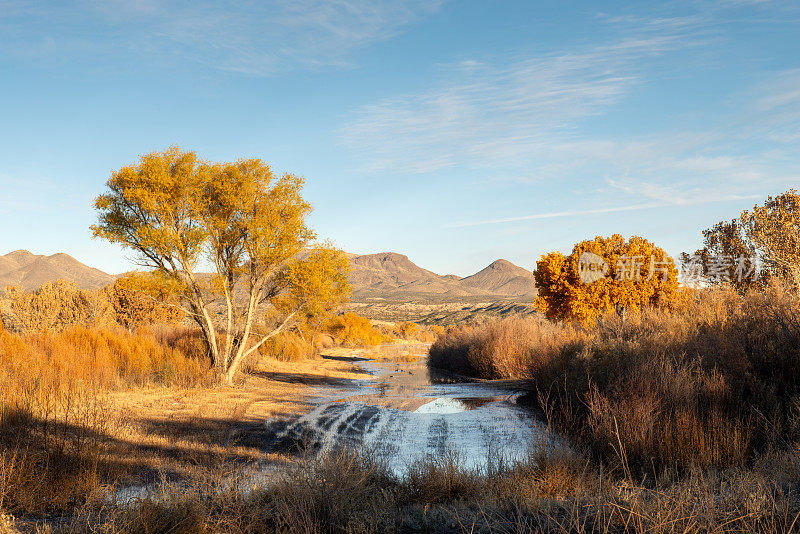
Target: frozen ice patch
{"points": [[442, 406]]}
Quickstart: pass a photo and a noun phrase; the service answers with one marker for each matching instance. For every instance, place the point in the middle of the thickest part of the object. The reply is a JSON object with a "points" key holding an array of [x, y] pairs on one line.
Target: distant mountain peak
{"points": [[18, 254], [503, 277], [382, 274], [30, 271], [392, 274], [502, 264], [392, 257]]}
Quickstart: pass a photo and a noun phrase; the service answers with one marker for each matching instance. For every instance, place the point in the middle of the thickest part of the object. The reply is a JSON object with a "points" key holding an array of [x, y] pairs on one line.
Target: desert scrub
{"points": [[287, 347], [411, 331], [712, 383], [54, 307], [351, 491], [54, 425], [95, 358], [509, 348], [59, 305], [353, 330]]}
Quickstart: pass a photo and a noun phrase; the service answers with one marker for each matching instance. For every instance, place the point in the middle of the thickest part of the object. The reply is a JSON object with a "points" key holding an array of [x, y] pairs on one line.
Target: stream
{"points": [[405, 413]]}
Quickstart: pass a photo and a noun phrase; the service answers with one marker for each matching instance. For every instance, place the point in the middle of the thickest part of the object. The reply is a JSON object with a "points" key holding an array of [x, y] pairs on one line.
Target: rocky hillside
{"points": [[386, 275], [30, 271], [392, 275]]}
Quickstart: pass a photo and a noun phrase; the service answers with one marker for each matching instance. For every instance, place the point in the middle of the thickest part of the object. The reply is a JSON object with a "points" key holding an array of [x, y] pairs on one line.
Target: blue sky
{"points": [[454, 132]]}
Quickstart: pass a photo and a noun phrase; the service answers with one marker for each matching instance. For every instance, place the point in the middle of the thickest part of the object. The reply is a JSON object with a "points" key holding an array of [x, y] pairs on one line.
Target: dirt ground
{"points": [[161, 432], [270, 389]]}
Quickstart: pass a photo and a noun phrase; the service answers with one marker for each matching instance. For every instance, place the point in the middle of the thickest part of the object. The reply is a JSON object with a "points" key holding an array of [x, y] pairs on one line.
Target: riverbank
{"points": [[72, 447], [245, 483], [407, 413]]}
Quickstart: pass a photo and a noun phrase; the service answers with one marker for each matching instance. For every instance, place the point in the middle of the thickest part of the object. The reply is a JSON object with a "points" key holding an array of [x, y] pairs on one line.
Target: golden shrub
{"points": [[352, 329], [48, 362], [407, 330], [56, 306], [140, 301], [637, 274]]}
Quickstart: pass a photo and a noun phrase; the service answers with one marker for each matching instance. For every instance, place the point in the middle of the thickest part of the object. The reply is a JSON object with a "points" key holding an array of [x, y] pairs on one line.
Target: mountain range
{"points": [[382, 275], [392, 275], [29, 271]]}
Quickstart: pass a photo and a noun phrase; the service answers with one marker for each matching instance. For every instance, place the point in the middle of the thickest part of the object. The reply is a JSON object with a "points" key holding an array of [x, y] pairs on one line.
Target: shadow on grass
{"points": [[50, 466], [305, 378]]}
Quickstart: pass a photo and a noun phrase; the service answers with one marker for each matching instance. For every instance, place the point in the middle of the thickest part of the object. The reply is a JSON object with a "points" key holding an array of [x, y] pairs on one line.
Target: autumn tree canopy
{"points": [[314, 293], [246, 225], [604, 273], [760, 244], [774, 229]]}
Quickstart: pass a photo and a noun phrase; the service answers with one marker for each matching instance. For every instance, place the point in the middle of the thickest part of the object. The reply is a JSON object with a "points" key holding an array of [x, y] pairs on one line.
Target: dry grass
{"points": [[352, 491], [98, 359], [53, 423], [287, 347], [510, 348], [712, 384]]}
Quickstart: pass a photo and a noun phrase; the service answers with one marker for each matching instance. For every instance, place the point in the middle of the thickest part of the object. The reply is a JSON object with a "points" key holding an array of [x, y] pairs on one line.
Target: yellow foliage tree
{"points": [[319, 287], [406, 330], [246, 222], [774, 229], [602, 274], [729, 255], [760, 244]]}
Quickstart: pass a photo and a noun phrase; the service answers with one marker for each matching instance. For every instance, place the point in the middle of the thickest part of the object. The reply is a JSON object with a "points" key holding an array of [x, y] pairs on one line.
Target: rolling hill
{"points": [[30, 271], [386, 275], [392, 275]]}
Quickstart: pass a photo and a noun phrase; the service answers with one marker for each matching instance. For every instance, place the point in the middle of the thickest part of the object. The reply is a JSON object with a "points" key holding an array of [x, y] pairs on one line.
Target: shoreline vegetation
{"points": [[89, 406], [714, 382], [698, 401], [63, 442]]}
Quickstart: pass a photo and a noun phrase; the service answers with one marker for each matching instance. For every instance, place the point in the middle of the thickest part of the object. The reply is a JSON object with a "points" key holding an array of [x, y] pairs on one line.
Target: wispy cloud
{"points": [[253, 37], [527, 118], [493, 111], [599, 211]]}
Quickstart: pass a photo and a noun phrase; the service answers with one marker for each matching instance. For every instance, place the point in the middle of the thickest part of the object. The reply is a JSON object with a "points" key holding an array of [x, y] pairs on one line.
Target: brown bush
{"points": [[711, 384], [54, 307], [509, 348], [287, 347], [346, 490], [53, 424]]}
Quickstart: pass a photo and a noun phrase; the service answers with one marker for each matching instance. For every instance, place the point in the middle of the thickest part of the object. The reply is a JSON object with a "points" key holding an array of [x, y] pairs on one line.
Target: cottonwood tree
{"points": [[728, 244], [314, 293], [759, 245], [630, 274], [774, 229], [239, 220]]}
